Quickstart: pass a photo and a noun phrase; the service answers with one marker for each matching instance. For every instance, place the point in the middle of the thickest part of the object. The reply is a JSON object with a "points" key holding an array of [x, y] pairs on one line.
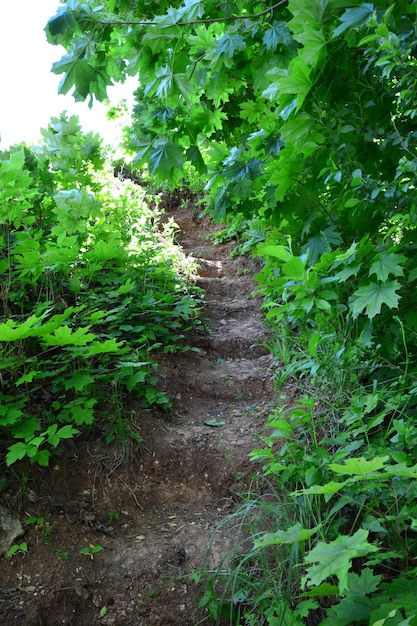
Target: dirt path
{"points": [[155, 516]]}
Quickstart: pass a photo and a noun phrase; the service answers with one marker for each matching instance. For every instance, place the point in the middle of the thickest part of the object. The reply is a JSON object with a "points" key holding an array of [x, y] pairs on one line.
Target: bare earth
{"points": [[155, 515]]}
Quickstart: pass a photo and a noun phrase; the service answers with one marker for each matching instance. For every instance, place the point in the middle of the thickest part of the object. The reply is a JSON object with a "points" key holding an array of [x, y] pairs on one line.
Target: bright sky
{"points": [[28, 89]]}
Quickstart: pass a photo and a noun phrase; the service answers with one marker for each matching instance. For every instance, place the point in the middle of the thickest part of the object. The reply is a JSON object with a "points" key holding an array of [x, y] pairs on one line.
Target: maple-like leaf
{"points": [[354, 18], [387, 263], [165, 157], [371, 297], [359, 466], [335, 558], [277, 34], [295, 534], [229, 44]]}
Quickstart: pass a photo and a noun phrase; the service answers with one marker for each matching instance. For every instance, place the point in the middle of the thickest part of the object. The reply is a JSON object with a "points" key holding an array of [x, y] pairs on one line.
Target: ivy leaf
{"points": [[371, 298], [386, 264], [354, 18], [335, 558]]}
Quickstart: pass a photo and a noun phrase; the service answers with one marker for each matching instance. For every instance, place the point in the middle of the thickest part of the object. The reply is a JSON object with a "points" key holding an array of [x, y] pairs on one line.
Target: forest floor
{"points": [[147, 523]]}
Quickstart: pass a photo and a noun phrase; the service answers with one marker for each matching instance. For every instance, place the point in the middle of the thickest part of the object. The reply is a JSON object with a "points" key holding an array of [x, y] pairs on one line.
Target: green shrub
{"points": [[89, 289]]}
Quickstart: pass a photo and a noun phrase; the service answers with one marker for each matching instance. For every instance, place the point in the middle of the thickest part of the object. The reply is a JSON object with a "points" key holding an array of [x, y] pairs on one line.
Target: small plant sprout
{"points": [[113, 515], [40, 524], [91, 550], [17, 547]]}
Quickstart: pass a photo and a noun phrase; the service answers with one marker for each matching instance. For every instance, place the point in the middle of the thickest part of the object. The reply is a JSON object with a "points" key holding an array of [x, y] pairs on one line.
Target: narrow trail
{"points": [[155, 516]]}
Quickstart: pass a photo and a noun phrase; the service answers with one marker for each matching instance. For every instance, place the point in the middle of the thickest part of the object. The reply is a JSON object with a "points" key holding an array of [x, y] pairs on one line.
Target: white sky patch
{"points": [[28, 90]]}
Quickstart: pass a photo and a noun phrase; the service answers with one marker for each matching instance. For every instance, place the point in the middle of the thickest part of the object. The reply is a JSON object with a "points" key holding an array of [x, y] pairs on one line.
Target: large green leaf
{"points": [[359, 466], [294, 534], [277, 34], [335, 558], [387, 263], [165, 157], [371, 297], [354, 18]]}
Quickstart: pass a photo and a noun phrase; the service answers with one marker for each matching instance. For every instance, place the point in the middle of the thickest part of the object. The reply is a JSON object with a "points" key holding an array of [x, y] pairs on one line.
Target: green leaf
{"points": [[12, 331], [313, 343], [42, 458], [277, 34], [228, 45], [335, 558], [193, 10], [387, 263], [64, 336], [27, 378], [193, 155], [294, 534], [109, 345], [354, 18], [295, 81], [16, 452], [62, 23], [281, 428], [327, 490], [325, 589], [213, 423], [371, 298], [294, 268], [79, 380], [359, 466], [279, 252], [164, 157]]}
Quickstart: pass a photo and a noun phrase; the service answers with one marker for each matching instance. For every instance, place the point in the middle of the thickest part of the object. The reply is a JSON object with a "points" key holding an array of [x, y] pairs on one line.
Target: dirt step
{"points": [[209, 268], [233, 331], [221, 379], [225, 287], [211, 442]]}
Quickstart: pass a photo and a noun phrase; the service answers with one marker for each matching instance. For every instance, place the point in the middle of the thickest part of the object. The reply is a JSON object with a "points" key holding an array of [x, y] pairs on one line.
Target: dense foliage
{"points": [[300, 121], [89, 288]]}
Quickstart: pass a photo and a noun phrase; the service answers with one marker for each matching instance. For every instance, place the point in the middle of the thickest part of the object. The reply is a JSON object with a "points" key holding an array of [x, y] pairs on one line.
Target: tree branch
{"points": [[206, 21]]}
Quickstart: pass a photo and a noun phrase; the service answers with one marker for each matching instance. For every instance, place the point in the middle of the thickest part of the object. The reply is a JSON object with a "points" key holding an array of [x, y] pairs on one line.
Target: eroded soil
{"points": [[154, 516]]}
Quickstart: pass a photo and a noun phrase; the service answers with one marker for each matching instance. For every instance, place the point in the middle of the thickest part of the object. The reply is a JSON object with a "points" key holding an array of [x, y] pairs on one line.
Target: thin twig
{"points": [[131, 491]]}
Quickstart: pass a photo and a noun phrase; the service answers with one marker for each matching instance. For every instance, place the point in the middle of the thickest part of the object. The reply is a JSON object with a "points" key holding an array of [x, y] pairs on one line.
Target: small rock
{"points": [[10, 528]]}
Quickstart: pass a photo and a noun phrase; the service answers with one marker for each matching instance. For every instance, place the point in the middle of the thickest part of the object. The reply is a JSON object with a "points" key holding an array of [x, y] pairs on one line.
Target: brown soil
{"points": [[155, 515]]}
